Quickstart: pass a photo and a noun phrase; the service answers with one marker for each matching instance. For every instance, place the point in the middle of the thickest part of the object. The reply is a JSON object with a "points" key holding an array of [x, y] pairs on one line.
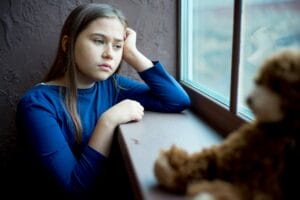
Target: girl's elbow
{"points": [[185, 101], [181, 104]]}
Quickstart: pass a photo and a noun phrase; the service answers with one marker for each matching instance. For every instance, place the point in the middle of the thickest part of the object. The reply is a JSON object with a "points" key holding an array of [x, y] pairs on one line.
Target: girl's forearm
{"points": [[102, 136], [138, 61]]}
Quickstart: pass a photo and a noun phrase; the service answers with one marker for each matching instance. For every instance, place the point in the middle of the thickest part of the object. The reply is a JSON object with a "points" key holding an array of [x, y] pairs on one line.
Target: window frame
{"points": [[212, 112]]}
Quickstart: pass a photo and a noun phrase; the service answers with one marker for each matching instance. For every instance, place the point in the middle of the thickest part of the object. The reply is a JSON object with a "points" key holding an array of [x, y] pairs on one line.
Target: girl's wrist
{"points": [[138, 61], [101, 138], [107, 121]]}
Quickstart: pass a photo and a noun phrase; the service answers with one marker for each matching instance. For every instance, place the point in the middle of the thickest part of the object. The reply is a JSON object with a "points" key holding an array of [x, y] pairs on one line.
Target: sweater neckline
{"points": [[58, 87]]}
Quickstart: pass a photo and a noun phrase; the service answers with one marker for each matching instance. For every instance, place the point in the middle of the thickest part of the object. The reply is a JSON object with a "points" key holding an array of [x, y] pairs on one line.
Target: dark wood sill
{"points": [[141, 142]]}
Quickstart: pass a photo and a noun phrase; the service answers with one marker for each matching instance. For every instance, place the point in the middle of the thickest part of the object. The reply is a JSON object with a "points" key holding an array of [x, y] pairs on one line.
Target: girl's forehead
{"points": [[111, 25]]}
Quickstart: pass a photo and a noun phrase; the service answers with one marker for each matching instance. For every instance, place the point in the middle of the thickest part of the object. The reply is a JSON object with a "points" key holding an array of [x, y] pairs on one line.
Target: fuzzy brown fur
{"points": [[258, 161]]}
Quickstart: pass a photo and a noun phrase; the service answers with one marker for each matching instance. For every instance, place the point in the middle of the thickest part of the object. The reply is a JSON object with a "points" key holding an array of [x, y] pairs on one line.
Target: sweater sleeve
{"points": [[40, 126], [160, 92]]}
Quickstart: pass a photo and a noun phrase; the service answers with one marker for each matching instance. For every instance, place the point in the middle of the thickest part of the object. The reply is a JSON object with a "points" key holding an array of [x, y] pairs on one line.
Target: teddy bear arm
{"points": [[203, 164], [167, 169], [175, 168]]}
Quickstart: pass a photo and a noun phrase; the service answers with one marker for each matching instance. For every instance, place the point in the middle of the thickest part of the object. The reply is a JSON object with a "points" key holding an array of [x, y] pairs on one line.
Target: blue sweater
{"points": [[44, 123]]}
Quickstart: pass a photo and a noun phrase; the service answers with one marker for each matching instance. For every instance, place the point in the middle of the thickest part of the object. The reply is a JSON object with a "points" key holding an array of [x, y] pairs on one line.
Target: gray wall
{"points": [[29, 32]]}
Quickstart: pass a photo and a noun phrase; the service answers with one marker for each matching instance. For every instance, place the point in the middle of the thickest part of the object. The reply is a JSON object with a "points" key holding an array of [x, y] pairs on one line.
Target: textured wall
{"points": [[29, 31]]}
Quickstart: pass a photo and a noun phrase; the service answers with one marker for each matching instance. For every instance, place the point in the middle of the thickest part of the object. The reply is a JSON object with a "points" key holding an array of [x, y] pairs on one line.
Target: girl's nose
{"points": [[107, 53]]}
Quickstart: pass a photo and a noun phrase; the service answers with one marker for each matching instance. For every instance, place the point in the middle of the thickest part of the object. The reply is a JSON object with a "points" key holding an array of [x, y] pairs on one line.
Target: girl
{"points": [[68, 120]]}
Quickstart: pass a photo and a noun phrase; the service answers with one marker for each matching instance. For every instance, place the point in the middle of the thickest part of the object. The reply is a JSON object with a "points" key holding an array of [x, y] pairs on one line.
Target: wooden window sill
{"points": [[141, 142]]}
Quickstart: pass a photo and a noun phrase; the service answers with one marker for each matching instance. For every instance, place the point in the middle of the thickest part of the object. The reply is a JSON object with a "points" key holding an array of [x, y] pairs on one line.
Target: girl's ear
{"points": [[64, 43]]}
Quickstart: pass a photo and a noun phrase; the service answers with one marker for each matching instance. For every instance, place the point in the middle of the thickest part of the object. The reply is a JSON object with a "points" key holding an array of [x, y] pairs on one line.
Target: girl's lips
{"points": [[105, 67]]}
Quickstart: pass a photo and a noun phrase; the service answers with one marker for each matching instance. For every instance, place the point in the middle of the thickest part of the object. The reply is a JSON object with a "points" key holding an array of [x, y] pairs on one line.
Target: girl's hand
{"points": [[130, 42], [123, 112], [132, 55], [130, 45]]}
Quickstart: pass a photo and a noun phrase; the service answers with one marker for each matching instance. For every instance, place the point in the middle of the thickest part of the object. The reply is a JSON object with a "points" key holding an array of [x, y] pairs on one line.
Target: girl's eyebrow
{"points": [[104, 36]]}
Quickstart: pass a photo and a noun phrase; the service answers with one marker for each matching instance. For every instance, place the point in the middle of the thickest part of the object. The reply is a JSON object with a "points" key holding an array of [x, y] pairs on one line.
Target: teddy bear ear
{"points": [[281, 67]]}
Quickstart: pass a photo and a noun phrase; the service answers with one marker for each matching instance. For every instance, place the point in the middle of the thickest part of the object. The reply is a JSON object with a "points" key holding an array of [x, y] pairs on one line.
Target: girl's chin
{"points": [[103, 76], [90, 79]]}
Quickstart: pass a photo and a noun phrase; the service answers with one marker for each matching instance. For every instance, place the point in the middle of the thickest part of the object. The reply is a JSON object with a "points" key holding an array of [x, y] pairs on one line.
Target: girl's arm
{"points": [[123, 112], [132, 55], [41, 129], [161, 92]]}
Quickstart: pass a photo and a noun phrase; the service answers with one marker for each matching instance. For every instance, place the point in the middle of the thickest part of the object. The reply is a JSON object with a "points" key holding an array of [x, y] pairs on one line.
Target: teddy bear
{"points": [[258, 160]]}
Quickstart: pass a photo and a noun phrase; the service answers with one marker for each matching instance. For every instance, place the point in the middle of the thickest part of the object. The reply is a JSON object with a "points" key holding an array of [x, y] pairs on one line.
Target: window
{"points": [[223, 42]]}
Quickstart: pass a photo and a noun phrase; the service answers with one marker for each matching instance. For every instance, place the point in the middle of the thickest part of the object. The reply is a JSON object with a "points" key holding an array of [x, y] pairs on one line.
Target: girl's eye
{"points": [[117, 46], [98, 42]]}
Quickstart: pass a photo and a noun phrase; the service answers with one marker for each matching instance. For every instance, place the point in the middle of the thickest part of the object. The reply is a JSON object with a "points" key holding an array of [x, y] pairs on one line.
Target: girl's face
{"points": [[98, 51]]}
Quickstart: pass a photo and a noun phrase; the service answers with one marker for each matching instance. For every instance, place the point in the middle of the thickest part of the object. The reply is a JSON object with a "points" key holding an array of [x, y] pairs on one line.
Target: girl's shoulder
{"points": [[41, 93]]}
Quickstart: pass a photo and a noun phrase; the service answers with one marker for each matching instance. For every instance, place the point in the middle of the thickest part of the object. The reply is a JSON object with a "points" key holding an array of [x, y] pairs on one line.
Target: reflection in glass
{"points": [[267, 26], [209, 45]]}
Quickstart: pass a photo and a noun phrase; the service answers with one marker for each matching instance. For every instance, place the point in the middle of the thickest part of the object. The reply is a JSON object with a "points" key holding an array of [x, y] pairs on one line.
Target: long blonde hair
{"points": [[64, 63]]}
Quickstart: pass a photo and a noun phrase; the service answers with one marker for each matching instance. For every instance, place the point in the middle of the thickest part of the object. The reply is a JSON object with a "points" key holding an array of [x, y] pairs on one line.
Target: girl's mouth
{"points": [[105, 67]]}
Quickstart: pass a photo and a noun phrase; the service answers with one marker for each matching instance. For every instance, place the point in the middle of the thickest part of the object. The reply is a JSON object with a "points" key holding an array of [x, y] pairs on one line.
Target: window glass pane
{"points": [[206, 44], [267, 26]]}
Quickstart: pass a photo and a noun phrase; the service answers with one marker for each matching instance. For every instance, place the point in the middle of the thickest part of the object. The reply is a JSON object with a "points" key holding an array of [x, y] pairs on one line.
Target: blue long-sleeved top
{"points": [[48, 129]]}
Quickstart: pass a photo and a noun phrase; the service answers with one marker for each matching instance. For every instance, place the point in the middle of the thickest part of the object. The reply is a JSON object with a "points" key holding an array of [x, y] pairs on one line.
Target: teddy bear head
{"points": [[276, 94]]}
